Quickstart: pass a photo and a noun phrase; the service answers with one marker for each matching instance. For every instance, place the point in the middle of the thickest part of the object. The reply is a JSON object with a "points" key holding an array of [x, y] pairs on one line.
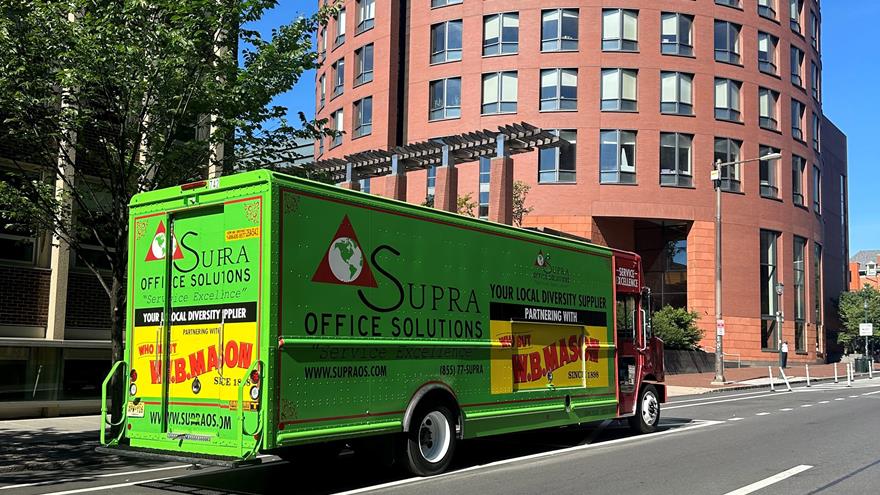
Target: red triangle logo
{"points": [[159, 246], [344, 262]]}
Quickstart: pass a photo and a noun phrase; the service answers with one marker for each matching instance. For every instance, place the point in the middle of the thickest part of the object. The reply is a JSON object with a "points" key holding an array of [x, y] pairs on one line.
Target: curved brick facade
{"points": [[613, 214]]}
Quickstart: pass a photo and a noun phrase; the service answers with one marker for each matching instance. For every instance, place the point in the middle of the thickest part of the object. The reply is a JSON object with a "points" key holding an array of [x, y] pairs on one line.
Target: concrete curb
{"points": [[767, 386]]}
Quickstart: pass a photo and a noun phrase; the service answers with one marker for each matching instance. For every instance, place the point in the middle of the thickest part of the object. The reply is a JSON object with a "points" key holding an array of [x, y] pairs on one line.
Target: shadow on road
{"points": [[351, 471]]}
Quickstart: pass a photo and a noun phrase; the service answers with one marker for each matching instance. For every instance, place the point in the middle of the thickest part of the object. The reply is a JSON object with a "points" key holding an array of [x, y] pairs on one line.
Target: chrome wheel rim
{"points": [[650, 408], [434, 436]]}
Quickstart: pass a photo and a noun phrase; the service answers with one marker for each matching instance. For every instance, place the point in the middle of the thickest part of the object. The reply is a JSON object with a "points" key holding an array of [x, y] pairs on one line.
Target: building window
{"points": [[363, 117], [814, 30], [443, 3], [446, 42], [430, 184], [817, 286], [485, 169], [767, 173], [797, 64], [559, 30], [663, 247], [729, 3], [769, 299], [797, 120], [815, 80], [795, 14], [619, 89], [320, 146], [798, 165], [620, 30], [617, 160], [767, 8], [366, 15], [559, 89], [499, 92], [676, 93], [338, 118], [817, 130], [365, 185], [16, 244], [675, 159], [768, 100], [322, 91], [727, 151], [501, 34], [767, 52], [675, 35], [363, 64], [727, 42], [445, 99], [322, 47], [727, 100], [340, 29], [817, 190], [557, 164], [800, 294], [338, 71]]}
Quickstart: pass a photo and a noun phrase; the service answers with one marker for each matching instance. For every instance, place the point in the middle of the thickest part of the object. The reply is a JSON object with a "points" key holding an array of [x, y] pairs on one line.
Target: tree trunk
{"points": [[117, 333]]}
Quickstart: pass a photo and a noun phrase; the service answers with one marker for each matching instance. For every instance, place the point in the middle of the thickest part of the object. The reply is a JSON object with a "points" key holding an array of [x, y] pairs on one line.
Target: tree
{"points": [[101, 99], [677, 327], [466, 205], [520, 191], [851, 307]]}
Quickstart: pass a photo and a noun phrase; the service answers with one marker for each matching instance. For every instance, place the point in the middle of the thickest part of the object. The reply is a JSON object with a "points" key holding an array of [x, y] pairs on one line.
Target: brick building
{"points": [[648, 96], [864, 269]]}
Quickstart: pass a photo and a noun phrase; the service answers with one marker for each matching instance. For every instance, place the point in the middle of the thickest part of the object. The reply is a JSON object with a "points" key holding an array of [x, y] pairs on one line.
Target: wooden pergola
{"points": [[508, 140]]}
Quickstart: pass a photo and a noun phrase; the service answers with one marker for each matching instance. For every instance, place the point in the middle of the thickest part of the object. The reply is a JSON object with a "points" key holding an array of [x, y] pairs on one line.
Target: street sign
{"points": [[866, 329], [719, 327], [715, 175]]}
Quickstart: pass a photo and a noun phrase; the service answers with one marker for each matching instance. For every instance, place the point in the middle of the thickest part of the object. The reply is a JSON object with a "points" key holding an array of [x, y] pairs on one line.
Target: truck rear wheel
{"points": [[647, 411], [430, 442]]}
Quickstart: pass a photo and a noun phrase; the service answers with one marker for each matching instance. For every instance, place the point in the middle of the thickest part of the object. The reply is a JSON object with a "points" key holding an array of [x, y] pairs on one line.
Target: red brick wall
{"points": [[24, 299]]}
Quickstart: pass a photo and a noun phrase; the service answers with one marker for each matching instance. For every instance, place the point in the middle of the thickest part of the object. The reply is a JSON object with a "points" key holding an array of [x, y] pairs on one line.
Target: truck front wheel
{"points": [[647, 412], [430, 442]]}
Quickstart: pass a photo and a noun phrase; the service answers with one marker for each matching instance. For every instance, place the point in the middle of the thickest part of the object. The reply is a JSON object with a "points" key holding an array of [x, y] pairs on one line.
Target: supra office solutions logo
{"points": [[159, 246], [548, 271], [344, 262]]}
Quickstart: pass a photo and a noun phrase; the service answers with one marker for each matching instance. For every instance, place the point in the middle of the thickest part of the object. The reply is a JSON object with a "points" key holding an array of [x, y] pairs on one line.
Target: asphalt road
{"points": [[818, 440]]}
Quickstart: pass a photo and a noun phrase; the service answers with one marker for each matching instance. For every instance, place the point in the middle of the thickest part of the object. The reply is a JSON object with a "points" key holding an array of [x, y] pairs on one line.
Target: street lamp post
{"points": [[865, 305], [779, 320], [716, 179]]}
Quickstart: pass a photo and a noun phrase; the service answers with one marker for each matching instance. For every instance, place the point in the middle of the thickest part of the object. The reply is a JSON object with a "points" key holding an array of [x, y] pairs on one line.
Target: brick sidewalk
{"points": [[739, 375]]}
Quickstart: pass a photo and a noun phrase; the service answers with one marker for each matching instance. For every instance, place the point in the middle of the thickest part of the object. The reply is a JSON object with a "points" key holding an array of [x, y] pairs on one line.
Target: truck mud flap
{"points": [[163, 455]]}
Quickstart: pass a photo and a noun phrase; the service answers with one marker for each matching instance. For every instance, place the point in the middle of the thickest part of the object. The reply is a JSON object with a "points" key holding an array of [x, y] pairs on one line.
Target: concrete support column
{"points": [[59, 261], [351, 180], [446, 184], [501, 190]]}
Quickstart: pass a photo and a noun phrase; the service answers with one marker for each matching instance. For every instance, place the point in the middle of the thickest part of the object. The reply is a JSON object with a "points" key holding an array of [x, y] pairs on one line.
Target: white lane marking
{"points": [[823, 402], [736, 419], [840, 398], [701, 399], [776, 478], [762, 414], [720, 401], [807, 405], [786, 409], [872, 393], [87, 478], [107, 487], [771, 394], [702, 423], [853, 396]]}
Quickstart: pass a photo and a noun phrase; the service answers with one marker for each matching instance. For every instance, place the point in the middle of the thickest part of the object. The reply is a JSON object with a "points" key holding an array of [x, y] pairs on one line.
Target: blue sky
{"points": [[849, 63]]}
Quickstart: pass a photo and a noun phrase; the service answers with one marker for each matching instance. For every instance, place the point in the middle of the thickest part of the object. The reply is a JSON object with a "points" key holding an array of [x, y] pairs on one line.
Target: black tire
{"points": [[642, 422], [430, 443]]}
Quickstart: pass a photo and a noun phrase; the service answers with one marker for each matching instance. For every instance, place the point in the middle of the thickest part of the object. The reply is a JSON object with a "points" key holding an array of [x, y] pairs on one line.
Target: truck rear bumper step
{"points": [[164, 455]]}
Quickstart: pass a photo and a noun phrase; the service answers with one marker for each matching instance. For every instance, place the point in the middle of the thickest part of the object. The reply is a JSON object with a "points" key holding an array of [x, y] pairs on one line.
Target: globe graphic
{"points": [[346, 260], [158, 246]]}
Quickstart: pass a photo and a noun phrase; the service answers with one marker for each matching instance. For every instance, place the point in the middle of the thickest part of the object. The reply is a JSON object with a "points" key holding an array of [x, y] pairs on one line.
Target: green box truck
{"points": [[267, 313]]}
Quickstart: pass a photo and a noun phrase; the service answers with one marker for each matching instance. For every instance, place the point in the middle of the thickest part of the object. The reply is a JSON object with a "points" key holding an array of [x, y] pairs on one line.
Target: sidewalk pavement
{"points": [[754, 377], [48, 443]]}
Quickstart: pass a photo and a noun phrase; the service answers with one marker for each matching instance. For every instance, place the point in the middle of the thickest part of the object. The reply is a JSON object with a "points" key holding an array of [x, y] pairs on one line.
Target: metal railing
{"points": [[711, 350]]}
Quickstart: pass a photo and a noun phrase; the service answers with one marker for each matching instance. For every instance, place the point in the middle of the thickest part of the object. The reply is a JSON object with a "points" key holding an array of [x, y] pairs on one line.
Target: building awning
{"points": [[511, 139]]}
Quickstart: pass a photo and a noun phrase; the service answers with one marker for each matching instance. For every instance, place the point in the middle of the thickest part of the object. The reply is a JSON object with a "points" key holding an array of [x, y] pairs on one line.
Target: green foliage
{"points": [[677, 327], [851, 308], [520, 191]]}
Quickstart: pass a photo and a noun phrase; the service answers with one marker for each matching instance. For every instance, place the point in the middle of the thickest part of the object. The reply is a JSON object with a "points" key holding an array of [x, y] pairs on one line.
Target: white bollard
{"points": [[807, 366], [785, 378], [835, 372], [770, 372], [871, 369], [848, 376]]}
